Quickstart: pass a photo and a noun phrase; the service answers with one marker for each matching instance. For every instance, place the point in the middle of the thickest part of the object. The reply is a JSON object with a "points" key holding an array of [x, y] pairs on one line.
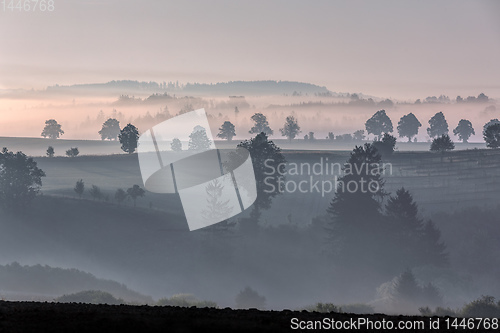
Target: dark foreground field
{"points": [[72, 317]]}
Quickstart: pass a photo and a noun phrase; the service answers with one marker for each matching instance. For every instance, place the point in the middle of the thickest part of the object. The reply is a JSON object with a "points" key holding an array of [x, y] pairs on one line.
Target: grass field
{"points": [[467, 177], [38, 146]]}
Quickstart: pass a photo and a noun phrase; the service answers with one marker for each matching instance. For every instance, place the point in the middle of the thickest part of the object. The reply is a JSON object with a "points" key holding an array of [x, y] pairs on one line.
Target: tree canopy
{"points": [[110, 129], [291, 128], [266, 158], [408, 126], [464, 130], [79, 188], [198, 139], [52, 129], [135, 192], [491, 135], [226, 131], [176, 145], [72, 152], [385, 146], [379, 123], [437, 125], [50, 151], [261, 125], [442, 144], [20, 180], [128, 138]]}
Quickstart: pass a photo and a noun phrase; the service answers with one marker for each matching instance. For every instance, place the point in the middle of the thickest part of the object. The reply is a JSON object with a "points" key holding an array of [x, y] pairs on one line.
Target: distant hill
{"points": [[255, 88], [236, 88], [34, 282], [121, 85]]}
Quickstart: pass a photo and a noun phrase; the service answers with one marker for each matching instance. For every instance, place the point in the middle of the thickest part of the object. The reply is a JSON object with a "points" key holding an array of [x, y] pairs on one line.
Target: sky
{"points": [[395, 49]]}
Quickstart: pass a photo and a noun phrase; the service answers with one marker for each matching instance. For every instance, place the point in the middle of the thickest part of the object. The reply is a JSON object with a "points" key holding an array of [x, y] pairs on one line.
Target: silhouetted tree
{"points": [[331, 136], [408, 293], [405, 227], [431, 295], [95, 192], [135, 192], [52, 129], [464, 130], [408, 126], [291, 128], [310, 136], [120, 195], [344, 137], [442, 144], [483, 307], [176, 145], [198, 140], [492, 135], [216, 208], [359, 135], [269, 166], [355, 209], [489, 123], [128, 138], [20, 180], [249, 298], [482, 98], [72, 152], [226, 131], [432, 248], [437, 125], [50, 151], [261, 125], [406, 287], [385, 146], [379, 123], [79, 188], [402, 208], [110, 129]]}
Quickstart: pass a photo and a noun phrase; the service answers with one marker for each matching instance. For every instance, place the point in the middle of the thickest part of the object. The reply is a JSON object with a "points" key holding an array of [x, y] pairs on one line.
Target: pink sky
{"points": [[398, 49]]}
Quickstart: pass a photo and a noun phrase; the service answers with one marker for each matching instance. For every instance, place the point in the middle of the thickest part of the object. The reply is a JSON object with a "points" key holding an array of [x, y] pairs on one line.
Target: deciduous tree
{"points": [[110, 129], [128, 138], [291, 128], [20, 180], [379, 123], [408, 126], [261, 125], [464, 130], [226, 131], [52, 129]]}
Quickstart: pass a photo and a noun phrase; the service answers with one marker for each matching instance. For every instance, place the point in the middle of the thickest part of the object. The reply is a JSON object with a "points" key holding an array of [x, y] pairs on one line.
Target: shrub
{"points": [[50, 151], [385, 146], [324, 308], [72, 152], [90, 296], [96, 193], [358, 308], [441, 312], [483, 307], [185, 300], [249, 298], [442, 144]]}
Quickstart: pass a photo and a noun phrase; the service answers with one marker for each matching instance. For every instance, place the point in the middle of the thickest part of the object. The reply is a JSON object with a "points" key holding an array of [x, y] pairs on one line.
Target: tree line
{"points": [[378, 125]]}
